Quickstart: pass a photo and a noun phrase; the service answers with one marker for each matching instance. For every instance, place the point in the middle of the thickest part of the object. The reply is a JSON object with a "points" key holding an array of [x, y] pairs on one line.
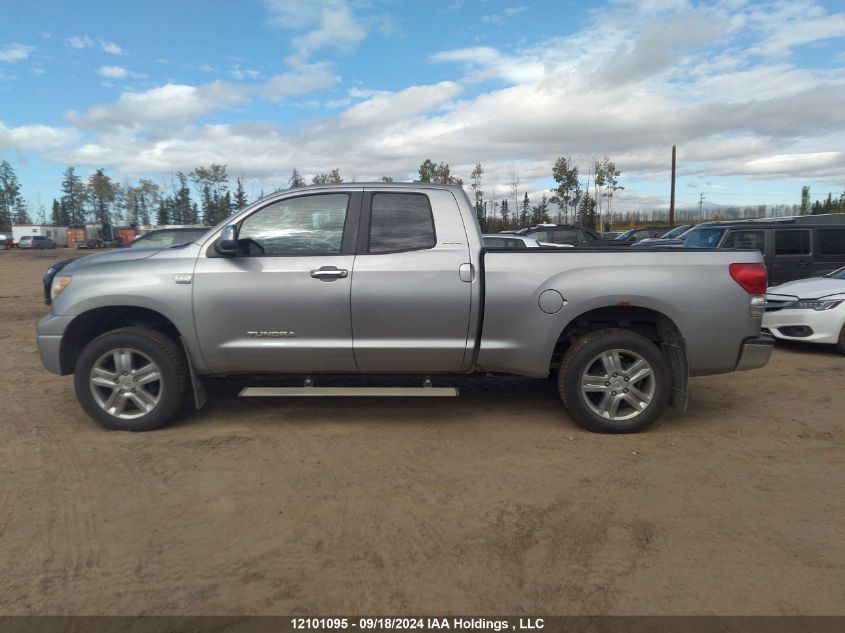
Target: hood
{"points": [[119, 255], [813, 288]]}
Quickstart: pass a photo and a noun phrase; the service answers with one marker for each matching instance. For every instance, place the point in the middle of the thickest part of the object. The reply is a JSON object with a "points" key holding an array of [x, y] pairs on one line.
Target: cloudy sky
{"points": [[752, 93]]}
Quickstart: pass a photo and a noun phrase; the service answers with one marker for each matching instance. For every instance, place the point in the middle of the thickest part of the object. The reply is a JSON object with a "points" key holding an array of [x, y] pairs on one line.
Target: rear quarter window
{"points": [[832, 241]]}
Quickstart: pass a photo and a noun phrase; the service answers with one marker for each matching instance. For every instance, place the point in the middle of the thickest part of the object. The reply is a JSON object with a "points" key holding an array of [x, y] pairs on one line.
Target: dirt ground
{"points": [[491, 503]]}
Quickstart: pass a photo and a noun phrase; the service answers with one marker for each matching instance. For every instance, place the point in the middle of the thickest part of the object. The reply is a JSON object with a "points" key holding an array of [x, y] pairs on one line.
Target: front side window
{"points": [[792, 242], [401, 222], [309, 225], [746, 239]]}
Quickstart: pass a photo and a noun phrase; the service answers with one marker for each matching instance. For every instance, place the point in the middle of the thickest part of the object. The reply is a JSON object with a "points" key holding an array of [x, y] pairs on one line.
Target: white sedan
{"points": [[809, 310]]}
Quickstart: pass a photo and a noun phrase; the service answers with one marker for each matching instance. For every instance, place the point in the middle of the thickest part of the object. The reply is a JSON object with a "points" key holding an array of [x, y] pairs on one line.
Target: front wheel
{"points": [[614, 381], [131, 379], [840, 344]]}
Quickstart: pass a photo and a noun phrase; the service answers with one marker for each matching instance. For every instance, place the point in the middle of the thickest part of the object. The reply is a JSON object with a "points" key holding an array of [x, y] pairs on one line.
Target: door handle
{"points": [[329, 273]]}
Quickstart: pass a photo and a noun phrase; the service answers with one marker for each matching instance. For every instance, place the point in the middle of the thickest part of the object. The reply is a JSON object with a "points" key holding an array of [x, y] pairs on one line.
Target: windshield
{"points": [[837, 274], [703, 238], [626, 234], [676, 232]]}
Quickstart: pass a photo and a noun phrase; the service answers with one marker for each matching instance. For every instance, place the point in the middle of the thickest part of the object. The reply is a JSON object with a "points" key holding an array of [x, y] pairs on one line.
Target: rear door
{"points": [[282, 303], [792, 255], [411, 284]]}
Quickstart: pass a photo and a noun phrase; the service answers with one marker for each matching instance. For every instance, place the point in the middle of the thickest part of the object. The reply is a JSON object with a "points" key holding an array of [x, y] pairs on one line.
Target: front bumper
{"points": [[49, 337], [755, 353], [826, 324]]}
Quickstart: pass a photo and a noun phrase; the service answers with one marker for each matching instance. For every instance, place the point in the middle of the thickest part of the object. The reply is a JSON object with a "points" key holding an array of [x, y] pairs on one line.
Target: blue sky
{"points": [[750, 92]]}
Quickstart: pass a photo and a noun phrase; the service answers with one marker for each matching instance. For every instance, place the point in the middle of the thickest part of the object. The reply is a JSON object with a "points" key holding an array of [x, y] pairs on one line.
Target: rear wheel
{"points": [[131, 379], [614, 381]]}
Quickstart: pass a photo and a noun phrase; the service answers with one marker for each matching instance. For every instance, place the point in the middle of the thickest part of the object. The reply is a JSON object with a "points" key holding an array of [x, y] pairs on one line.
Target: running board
{"points": [[370, 392]]}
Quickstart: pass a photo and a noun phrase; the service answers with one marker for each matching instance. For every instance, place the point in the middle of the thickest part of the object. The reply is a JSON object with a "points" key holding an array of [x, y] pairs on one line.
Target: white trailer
{"points": [[56, 233]]}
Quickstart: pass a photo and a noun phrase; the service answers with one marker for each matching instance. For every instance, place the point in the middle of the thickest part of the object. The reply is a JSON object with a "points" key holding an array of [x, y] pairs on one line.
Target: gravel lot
{"points": [[494, 502]]}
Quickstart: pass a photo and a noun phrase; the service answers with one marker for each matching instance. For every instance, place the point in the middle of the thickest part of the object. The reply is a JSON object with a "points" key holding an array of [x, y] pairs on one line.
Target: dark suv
{"points": [[793, 248]]}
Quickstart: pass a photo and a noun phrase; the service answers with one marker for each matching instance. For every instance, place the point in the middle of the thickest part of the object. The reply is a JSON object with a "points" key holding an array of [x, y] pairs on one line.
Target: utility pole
{"points": [[700, 203], [672, 200]]}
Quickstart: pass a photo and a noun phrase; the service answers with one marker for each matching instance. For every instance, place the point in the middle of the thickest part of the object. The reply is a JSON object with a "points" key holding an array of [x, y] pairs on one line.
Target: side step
{"points": [[370, 392]]}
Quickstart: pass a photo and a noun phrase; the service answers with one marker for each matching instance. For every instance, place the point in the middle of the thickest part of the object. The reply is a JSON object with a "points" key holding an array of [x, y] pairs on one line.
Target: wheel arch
{"points": [[96, 321], [659, 328]]}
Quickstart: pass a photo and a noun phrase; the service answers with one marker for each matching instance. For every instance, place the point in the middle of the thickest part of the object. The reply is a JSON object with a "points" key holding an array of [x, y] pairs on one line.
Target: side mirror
{"points": [[227, 243]]}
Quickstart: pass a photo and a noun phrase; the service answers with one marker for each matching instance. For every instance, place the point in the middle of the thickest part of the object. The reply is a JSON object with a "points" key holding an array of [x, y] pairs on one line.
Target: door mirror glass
{"points": [[227, 243]]}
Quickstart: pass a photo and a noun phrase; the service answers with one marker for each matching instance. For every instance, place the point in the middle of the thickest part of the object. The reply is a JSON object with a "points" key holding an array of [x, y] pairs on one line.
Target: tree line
{"points": [[206, 196]]}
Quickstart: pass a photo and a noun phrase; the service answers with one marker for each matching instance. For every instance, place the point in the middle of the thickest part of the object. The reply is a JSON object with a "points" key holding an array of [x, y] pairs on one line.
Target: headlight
{"points": [[59, 283], [816, 304]]}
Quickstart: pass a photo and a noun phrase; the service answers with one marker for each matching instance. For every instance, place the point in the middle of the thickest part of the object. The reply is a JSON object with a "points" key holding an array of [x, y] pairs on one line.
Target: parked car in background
{"points": [[793, 248], [160, 238], [567, 234], [512, 240], [642, 233], [6, 241], [609, 235], [670, 238], [36, 241], [809, 310]]}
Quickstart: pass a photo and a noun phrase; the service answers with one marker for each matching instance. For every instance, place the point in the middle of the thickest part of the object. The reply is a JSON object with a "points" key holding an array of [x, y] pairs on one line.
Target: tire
{"points": [[840, 344], [131, 379], [623, 401]]}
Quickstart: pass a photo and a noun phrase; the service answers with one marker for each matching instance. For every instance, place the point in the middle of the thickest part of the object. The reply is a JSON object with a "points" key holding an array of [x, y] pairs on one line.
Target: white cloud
{"points": [[115, 72], [35, 137], [81, 42], [382, 109], [302, 80], [15, 53], [332, 25], [501, 18], [161, 107], [112, 48]]}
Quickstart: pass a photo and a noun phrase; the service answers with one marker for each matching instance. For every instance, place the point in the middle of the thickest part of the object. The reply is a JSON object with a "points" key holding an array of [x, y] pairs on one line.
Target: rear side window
{"points": [[832, 242], [746, 239], [401, 222], [566, 237], [792, 242]]}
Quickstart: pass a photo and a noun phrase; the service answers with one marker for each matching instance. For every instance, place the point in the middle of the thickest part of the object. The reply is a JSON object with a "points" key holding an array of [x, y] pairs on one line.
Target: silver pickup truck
{"points": [[381, 279]]}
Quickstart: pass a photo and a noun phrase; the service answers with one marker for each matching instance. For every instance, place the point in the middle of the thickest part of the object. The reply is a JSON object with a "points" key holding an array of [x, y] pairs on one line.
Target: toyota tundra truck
{"points": [[373, 281]]}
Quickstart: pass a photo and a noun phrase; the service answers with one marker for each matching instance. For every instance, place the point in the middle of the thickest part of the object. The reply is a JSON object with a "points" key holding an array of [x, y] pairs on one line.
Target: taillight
{"points": [[752, 277]]}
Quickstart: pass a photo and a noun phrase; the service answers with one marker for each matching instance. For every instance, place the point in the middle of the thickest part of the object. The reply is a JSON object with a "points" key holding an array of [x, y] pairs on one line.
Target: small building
{"points": [[56, 233]]}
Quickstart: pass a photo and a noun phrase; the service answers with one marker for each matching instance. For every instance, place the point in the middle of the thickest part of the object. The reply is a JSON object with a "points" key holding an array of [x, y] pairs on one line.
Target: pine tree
{"points": [[73, 196], [12, 205], [240, 200], [163, 215], [296, 179], [524, 211]]}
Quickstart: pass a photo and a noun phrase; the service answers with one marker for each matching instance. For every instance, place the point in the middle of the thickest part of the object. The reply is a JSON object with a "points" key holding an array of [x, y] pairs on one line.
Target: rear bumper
{"points": [[755, 353]]}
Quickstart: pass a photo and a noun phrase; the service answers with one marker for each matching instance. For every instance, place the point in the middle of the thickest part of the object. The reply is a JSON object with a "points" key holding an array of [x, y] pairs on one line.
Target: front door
{"points": [[282, 303]]}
